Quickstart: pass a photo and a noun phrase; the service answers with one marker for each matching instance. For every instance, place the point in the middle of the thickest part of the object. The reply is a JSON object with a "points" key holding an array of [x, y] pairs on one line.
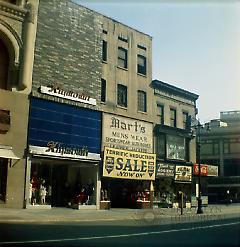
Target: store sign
{"points": [[183, 173], [175, 147], [128, 134], [165, 170], [56, 149], [59, 92], [203, 170], [4, 121], [212, 171], [130, 165]]}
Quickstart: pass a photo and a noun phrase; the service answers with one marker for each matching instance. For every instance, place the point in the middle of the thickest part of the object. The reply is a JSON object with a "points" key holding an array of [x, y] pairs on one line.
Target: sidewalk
{"points": [[161, 215]]}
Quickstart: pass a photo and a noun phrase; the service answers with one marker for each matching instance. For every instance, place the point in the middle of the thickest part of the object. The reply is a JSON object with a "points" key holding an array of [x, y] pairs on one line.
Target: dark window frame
{"points": [[122, 60], [173, 119], [161, 116], [142, 101], [142, 69], [104, 50], [122, 95], [103, 90], [185, 116]]}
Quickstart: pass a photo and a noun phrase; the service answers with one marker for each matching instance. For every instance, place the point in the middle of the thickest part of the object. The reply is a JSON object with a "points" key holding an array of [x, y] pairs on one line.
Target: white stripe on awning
{"points": [[7, 152]]}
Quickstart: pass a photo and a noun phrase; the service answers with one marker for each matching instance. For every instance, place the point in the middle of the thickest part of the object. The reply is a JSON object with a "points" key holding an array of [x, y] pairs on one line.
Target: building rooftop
{"points": [[163, 86]]}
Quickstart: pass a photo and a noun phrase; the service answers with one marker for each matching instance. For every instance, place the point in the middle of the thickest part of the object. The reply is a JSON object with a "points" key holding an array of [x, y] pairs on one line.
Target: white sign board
{"points": [[126, 133], [59, 92]]}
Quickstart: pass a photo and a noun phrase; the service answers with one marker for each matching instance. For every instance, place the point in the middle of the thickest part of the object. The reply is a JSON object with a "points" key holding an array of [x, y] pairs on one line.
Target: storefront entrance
{"points": [[125, 193], [62, 183]]}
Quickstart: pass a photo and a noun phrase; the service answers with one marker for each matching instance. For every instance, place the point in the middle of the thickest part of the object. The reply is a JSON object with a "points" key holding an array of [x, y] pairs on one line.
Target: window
{"points": [[122, 95], [103, 90], [122, 57], [173, 118], [104, 50], [4, 65], [160, 113], [142, 101], [185, 119], [141, 65], [161, 146]]}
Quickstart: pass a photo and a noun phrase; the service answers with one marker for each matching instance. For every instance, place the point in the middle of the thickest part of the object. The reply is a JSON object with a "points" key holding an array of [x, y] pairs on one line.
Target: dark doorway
{"points": [[3, 178], [59, 178]]}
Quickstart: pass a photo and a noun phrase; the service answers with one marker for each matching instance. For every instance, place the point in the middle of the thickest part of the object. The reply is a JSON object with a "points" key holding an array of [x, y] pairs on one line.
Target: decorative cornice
{"points": [[13, 10]]}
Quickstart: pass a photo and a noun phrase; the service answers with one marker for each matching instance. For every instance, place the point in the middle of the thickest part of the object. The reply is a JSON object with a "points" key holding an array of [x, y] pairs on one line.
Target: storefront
{"points": [[64, 155], [128, 167], [174, 168]]}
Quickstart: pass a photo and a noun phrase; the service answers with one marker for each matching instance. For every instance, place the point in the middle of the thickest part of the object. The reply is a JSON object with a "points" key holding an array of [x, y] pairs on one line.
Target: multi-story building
{"points": [[220, 146], [91, 79], [127, 107], [175, 146], [17, 38]]}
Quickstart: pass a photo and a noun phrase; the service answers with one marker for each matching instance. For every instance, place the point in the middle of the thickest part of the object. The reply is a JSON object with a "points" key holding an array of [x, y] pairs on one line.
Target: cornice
{"points": [[13, 11]]}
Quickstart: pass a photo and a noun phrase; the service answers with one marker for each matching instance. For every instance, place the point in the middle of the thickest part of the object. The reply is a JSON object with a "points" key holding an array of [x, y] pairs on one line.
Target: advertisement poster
{"points": [[128, 134], [203, 172], [212, 171], [175, 147], [130, 165], [165, 170], [183, 173]]}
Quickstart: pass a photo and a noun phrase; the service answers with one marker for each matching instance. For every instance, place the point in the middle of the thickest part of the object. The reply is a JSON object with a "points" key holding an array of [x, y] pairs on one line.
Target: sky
{"points": [[196, 45]]}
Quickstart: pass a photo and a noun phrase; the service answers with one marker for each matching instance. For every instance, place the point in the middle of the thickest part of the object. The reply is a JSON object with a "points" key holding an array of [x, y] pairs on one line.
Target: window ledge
{"points": [[143, 112], [141, 75], [103, 61], [122, 107], [119, 67]]}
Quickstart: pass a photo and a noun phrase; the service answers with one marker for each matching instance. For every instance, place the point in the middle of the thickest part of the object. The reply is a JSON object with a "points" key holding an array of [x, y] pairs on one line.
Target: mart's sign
{"points": [[126, 133], [183, 174], [119, 163]]}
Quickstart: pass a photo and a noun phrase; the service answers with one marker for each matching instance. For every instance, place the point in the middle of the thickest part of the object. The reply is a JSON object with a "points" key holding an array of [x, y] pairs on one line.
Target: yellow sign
{"points": [[119, 163]]}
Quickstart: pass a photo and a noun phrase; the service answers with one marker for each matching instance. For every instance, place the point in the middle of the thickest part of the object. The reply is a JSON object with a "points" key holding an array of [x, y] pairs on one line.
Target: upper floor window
{"points": [[103, 90], [141, 65], [173, 117], [160, 113], [104, 50], [161, 146], [185, 119], [4, 65], [142, 101], [122, 57], [122, 95]]}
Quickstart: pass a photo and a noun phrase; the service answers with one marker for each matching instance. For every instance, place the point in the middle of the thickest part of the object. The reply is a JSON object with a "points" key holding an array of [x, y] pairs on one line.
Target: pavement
{"points": [[146, 216]]}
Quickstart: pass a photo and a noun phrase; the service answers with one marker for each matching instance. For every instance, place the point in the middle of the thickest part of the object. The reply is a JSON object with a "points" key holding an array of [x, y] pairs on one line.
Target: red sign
{"points": [[204, 170]]}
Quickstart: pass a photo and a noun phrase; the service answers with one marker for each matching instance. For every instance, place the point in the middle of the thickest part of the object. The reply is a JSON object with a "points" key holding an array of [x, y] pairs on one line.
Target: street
{"points": [[119, 233]]}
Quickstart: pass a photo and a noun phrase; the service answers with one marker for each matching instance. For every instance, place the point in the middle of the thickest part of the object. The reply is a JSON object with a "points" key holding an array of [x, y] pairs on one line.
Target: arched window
{"points": [[4, 65]]}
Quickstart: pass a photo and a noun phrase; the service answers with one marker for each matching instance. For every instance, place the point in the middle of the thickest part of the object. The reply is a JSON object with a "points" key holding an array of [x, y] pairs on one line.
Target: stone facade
{"points": [[17, 34]]}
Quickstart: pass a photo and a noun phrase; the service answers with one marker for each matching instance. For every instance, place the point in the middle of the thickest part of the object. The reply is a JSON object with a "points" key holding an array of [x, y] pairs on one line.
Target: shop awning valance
{"points": [[7, 152]]}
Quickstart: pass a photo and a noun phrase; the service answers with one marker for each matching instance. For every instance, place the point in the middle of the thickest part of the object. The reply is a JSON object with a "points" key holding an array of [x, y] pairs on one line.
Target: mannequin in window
{"points": [[43, 193]]}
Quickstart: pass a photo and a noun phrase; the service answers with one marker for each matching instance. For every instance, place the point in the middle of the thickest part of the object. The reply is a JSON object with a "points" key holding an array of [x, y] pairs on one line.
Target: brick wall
{"points": [[68, 49]]}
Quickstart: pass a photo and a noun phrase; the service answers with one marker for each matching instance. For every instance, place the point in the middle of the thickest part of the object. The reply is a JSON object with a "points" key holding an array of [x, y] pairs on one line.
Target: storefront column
{"points": [[151, 194], [98, 188], [27, 180]]}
